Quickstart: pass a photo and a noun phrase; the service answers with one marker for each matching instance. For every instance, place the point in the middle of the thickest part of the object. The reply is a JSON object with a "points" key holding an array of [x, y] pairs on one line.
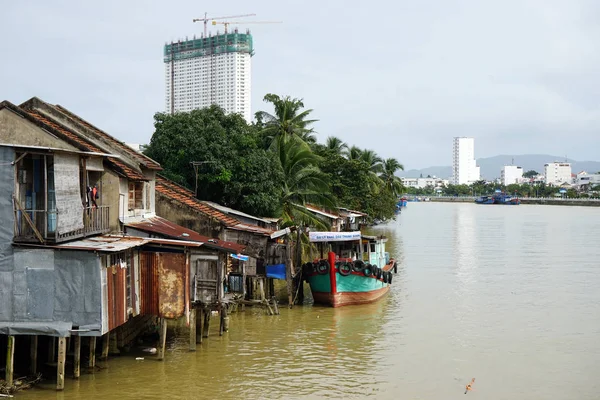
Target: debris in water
{"points": [[469, 386], [139, 358]]}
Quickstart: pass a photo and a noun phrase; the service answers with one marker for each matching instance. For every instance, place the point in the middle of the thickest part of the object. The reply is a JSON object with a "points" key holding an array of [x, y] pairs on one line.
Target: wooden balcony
{"points": [[40, 226]]}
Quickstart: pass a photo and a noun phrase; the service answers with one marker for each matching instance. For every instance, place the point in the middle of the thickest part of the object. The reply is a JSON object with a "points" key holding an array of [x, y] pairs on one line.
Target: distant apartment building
{"points": [[557, 173], [421, 183], [213, 69], [511, 174], [464, 166]]}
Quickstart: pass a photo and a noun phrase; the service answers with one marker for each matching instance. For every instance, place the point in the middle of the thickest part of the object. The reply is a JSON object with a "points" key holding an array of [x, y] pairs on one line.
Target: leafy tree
{"points": [[353, 153], [530, 174], [290, 120], [236, 171]]}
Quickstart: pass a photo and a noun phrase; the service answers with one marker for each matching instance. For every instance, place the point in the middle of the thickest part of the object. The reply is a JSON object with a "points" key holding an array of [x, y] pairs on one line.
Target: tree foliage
{"points": [[235, 171]]}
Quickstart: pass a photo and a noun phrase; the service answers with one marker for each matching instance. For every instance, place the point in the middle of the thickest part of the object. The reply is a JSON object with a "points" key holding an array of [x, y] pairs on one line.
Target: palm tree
{"points": [[388, 175], [373, 160], [303, 183], [353, 153], [289, 120], [336, 144]]}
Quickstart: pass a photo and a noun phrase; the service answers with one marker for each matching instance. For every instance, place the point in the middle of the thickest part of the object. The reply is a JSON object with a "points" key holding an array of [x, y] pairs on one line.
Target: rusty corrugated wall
{"points": [[172, 288], [148, 283], [116, 285]]}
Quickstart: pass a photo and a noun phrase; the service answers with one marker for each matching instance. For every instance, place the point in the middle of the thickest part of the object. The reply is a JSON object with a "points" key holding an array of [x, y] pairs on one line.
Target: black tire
{"points": [[390, 278], [358, 266], [384, 277], [308, 269], [368, 270], [322, 267], [345, 269], [378, 272]]}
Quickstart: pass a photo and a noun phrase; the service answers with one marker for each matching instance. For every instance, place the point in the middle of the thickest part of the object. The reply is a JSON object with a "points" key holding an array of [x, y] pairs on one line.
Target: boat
{"points": [[402, 202], [357, 270], [498, 198]]}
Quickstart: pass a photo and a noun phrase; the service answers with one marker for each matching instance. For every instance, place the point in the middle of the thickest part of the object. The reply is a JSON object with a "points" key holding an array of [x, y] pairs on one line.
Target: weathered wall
{"points": [[256, 245], [16, 130], [51, 285], [7, 155], [110, 197], [186, 216]]}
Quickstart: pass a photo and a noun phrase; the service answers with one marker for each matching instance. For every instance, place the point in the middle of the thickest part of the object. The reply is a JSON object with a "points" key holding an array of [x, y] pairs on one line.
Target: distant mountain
{"points": [[491, 166]]}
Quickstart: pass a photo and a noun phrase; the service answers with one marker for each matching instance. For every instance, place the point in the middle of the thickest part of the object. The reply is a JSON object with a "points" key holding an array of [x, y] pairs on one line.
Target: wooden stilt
{"points": [[105, 346], [10, 360], [60, 366], [162, 341], [275, 306], [221, 321], [52, 350], [206, 322], [193, 329], [33, 355], [289, 272], [225, 319], [76, 356], [92, 360], [199, 316]]}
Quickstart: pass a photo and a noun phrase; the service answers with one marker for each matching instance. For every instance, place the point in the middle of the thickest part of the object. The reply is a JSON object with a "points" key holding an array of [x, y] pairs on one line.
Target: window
{"points": [[136, 195]]}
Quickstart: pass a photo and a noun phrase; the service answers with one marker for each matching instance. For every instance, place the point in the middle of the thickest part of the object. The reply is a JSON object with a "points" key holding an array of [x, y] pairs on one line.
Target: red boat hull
{"points": [[349, 298]]}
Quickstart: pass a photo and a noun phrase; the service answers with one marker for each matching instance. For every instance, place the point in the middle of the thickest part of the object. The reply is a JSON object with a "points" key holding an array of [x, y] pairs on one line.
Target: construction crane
{"points": [[206, 19], [226, 23]]}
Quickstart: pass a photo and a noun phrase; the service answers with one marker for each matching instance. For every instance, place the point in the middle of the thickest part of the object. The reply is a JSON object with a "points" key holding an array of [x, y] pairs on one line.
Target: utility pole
{"points": [[196, 165]]}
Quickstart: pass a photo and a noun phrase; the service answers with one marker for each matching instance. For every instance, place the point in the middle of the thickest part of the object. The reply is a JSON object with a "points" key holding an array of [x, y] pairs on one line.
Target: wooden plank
{"points": [[33, 355], [60, 368], [199, 325], [193, 329], [29, 221], [92, 358], [10, 360], [162, 341], [77, 357]]}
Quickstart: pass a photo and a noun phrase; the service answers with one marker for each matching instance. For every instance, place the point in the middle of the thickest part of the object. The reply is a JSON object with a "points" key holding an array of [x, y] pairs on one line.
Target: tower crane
{"points": [[206, 19], [226, 23]]}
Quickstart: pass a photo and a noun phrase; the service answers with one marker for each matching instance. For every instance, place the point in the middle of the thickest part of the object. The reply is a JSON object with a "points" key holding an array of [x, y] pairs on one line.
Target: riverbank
{"points": [[527, 200]]}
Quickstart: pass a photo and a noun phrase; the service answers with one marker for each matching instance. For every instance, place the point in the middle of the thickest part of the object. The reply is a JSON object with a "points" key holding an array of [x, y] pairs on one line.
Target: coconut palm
{"points": [[336, 144], [388, 175], [353, 153], [303, 183], [373, 160], [289, 120]]}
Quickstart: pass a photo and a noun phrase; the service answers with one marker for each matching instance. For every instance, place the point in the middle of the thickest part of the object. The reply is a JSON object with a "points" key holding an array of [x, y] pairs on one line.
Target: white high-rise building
{"points": [[557, 173], [511, 174], [464, 167], [210, 70]]}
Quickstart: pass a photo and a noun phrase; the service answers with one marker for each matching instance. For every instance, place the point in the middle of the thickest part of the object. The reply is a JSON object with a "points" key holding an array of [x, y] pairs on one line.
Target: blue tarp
{"points": [[240, 257], [276, 271]]}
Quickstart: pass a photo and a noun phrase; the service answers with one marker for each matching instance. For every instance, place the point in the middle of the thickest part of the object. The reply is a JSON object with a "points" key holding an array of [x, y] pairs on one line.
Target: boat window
{"points": [[372, 247]]}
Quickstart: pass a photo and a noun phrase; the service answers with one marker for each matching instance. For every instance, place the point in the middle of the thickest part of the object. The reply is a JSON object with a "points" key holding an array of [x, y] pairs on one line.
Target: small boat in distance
{"points": [[498, 197], [357, 270]]}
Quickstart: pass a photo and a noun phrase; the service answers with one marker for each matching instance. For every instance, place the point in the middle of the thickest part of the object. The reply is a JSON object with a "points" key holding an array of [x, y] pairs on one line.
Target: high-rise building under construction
{"points": [[213, 69]]}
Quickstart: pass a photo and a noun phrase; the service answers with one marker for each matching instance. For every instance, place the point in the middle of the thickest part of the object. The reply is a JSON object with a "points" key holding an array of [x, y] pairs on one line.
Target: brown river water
{"points": [[507, 295]]}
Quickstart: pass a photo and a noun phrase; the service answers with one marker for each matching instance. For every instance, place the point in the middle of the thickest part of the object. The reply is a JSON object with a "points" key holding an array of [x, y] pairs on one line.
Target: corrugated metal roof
{"points": [[105, 243], [164, 227], [321, 212], [228, 210]]}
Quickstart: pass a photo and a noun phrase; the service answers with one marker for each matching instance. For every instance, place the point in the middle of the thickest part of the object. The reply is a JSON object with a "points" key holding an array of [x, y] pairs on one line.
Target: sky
{"points": [[398, 77]]}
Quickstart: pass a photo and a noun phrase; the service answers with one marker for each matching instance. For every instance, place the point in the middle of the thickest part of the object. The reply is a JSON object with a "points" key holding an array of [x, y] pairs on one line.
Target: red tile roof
{"points": [[143, 159], [176, 192], [186, 196], [84, 144], [167, 228]]}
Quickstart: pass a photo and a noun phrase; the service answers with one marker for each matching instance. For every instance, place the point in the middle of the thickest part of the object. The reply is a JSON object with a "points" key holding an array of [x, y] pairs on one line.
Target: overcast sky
{"points": [[399, 77]]}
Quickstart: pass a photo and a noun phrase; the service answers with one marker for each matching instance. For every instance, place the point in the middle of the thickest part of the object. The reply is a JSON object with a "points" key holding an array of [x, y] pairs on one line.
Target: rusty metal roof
{"points": [[104, 243], [164, 227]]}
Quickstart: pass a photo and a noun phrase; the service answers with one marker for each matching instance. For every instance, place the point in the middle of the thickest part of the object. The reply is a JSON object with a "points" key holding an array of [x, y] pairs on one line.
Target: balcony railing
{"points": [[41, 225]]}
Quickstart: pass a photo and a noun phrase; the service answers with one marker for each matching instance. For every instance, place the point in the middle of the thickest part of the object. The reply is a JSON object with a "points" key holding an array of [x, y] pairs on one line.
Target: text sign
{"points": [[333, 236]]}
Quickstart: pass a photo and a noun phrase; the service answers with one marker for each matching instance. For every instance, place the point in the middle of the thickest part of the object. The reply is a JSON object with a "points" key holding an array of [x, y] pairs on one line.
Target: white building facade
{"points": [[210, 70], [464, 167], [511, 174], [422, 183], [557, 173]]}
